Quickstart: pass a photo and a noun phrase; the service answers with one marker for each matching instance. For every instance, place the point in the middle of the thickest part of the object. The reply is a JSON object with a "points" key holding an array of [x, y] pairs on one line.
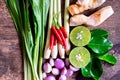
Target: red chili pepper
{"points": [[64, 32], [54, 30], [52, 38], [62, 37], [55, 41]]}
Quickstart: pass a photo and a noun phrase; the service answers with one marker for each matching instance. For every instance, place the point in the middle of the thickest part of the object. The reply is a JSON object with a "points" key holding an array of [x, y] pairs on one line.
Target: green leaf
{"points": [[100, 45], [93, 69], [96, 69], [108, 58], [86, 70], [100, 32]]}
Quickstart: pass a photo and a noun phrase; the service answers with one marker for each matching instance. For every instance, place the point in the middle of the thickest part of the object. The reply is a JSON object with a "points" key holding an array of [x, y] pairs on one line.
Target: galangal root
{"points": [[93, 20]]}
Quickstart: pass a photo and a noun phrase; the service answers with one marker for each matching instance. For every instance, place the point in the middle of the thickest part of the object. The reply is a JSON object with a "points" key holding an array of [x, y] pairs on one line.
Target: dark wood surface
{"points": [[10, 54]]}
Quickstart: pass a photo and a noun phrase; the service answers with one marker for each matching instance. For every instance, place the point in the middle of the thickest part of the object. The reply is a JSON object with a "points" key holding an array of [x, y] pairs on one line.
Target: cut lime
{"points": [[80, 36], [79, 57]]}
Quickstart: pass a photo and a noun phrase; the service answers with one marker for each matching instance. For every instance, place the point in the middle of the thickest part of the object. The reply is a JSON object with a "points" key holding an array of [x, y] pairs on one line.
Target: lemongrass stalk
{"points": [[55, 7], [47, 51], [66, 25], [60, 47], [59, 12]]}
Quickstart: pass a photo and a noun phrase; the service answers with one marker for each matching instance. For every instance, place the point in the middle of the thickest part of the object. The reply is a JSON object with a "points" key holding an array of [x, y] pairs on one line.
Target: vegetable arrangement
{"points": [[43, 62]]}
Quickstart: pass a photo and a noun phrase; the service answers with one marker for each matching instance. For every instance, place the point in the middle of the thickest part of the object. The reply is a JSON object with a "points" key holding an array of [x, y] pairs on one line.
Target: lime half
{"points": [[80, 36], [79, 57]]}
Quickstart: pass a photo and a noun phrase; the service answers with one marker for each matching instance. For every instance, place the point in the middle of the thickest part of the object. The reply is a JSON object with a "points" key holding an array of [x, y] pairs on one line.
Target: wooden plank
{"points": [[10, 55]]}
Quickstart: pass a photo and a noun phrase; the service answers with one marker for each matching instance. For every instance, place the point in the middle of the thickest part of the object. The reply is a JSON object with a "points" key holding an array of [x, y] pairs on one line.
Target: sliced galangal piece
{"points": [[82, 5], [93, 20], [100, 16]]}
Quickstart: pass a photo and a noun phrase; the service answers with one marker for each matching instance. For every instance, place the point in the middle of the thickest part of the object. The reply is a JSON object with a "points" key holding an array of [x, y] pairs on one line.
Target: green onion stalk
{"points": [[29, 17]]}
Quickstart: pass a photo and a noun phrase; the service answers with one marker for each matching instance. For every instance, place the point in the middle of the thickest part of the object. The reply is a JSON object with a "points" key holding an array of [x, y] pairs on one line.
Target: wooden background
{"points": [[11, 67]]}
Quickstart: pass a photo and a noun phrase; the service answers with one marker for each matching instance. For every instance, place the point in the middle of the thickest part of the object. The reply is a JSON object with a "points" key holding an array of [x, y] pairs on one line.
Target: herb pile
{"points": [[30, 17]]}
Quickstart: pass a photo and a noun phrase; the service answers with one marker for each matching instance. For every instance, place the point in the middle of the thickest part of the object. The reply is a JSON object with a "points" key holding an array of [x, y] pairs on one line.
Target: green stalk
{"points": [[55, 10], [29, 73], [29, 38], [66, 25], [66, 16], [19, 10], [38, 31], [25, 68], [45, 9], [40, 9], [49, 27], [59, 12], [20, 18]]}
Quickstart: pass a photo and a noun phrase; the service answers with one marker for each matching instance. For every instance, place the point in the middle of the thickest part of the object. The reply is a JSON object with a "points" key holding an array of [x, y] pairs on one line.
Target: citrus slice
{"points": [[80, 36], [79, 57]]}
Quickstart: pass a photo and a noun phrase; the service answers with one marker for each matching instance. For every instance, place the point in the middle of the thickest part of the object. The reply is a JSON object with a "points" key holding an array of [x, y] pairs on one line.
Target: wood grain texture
{"points": [[10, 54]]}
